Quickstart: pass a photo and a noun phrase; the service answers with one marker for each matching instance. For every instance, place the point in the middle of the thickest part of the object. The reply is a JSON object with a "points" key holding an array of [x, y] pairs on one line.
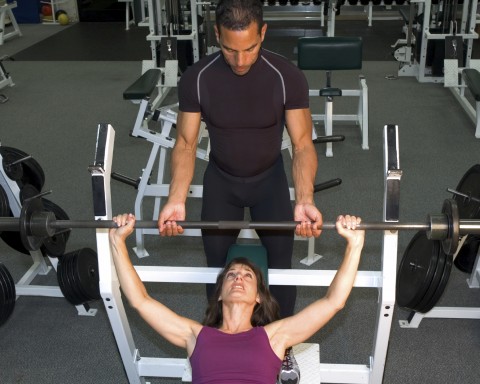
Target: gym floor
{"points": [[70, 79]]}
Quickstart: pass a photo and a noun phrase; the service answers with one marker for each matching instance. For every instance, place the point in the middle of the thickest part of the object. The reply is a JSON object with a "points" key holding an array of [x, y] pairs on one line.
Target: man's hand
{"points": [[311, 219], [167, 225]]}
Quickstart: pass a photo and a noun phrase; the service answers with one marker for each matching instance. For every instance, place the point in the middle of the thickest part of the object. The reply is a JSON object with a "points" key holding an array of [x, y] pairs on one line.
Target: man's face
{"points": [[240, 48]]}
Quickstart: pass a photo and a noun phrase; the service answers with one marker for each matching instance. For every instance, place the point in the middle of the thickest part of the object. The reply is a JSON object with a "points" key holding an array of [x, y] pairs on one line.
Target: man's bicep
{"points": [[299, 125]]}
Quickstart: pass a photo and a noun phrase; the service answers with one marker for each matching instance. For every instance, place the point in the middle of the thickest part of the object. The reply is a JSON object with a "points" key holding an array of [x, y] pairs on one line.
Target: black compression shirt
{"points": [[245, 115]]}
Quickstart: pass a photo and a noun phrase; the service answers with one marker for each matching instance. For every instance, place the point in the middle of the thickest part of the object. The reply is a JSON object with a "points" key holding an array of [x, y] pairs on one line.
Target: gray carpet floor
{"points": [[53, 112]]}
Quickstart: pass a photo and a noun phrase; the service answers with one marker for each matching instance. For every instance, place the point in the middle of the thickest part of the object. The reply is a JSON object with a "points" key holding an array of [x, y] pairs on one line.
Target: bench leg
{"points": [[477, 128], [364, 113], [328, 124]]}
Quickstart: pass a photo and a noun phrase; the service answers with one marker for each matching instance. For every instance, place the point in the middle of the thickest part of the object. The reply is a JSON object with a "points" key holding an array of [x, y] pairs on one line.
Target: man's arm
{"points": [[304, 170], [182, 169]]}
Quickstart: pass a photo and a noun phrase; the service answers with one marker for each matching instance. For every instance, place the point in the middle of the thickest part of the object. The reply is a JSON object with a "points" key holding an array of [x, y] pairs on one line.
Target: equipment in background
{"points": [[5, 79]]}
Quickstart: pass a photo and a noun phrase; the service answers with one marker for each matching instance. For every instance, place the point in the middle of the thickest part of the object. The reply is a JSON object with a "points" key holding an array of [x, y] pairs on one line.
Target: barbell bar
{"points": [[35, 224]]}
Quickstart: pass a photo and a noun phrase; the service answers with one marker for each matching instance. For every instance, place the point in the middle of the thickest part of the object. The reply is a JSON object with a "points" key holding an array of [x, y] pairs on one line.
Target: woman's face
{"points": [[240, 285]]}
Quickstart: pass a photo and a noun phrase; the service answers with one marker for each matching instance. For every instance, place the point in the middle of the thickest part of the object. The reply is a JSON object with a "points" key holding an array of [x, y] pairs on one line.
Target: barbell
{"points": [[35, 225]]}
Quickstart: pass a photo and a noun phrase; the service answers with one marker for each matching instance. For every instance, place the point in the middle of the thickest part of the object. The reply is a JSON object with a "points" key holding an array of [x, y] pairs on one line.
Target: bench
{"points": [[333, 54]]}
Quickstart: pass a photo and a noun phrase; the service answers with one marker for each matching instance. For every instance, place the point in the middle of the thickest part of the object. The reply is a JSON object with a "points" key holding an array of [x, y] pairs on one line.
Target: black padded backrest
{"points": [[330, 53]]}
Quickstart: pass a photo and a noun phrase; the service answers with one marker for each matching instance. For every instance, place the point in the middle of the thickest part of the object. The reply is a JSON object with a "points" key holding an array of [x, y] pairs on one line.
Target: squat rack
{"points": [[138, 367]]}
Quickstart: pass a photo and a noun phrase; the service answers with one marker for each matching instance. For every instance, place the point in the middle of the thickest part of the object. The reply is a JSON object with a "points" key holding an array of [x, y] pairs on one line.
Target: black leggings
{"points": [[267, 195]]}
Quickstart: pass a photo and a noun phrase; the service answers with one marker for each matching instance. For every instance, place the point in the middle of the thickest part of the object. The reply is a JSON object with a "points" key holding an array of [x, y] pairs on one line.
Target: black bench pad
{"points": [[143, 86], [329, 53], [472, 79]]}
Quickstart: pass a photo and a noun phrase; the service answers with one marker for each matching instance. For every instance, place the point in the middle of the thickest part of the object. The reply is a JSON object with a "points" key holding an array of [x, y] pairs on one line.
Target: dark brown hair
{"points": [[237, 15], [264, 312]]}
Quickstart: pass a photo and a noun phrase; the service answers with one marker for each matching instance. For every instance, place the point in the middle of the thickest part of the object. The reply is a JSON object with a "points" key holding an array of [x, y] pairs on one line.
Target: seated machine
{"points": [[335, 54]]}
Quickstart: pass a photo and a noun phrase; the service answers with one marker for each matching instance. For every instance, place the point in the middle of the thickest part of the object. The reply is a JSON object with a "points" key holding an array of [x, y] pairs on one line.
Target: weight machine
{"points": [[428, 37], [138, 367]]}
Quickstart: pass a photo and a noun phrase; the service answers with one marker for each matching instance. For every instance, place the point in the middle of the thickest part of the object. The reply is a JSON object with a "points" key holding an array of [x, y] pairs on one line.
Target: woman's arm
{"points": [[178, 330], [298, 328]]}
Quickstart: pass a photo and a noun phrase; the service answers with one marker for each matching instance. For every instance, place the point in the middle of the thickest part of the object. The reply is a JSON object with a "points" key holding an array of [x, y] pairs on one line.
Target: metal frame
{"points": [[138, 367], [360, 118], [6, 10]]}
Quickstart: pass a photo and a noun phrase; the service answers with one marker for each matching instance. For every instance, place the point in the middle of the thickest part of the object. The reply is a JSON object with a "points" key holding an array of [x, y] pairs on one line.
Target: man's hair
{"points": [[264, 312], [237, 15]]}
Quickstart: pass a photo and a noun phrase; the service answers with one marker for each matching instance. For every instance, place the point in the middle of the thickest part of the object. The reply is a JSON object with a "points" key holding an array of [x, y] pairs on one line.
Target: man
{"points": [[247, 96]]}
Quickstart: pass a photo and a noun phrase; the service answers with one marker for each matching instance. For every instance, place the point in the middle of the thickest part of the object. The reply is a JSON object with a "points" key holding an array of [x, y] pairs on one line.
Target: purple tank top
{"points": [[222, 358]]}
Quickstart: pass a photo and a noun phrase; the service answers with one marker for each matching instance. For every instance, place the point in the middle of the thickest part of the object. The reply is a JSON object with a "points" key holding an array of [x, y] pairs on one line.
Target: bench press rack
{"points": [[23, 286], [138, 367]]}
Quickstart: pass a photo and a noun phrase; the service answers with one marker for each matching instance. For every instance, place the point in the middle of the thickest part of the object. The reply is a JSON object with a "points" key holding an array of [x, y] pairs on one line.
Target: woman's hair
{"points": [[237, 15], [264, 312]]}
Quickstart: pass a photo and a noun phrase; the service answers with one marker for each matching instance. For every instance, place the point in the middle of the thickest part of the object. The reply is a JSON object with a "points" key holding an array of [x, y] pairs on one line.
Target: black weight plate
{"points": [[86, 264], [61, 276], [416, 270], [433, 286], [13, 239], [76, 283], [465, 259], [64, 281], [4, 295], [32, 171], [13, 171], [9, 293], [469, 185], [4, 204], [76, 298], [28, 191], [55, 246], [441, 286]]}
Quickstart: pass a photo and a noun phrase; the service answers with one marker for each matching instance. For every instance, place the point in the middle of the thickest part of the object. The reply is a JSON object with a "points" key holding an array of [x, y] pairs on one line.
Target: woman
{"points": [[240, 340]]}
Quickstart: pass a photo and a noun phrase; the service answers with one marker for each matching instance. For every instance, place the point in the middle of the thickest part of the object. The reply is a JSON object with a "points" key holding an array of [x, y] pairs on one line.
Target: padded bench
{"points": [[143, 86], [334, 54]]}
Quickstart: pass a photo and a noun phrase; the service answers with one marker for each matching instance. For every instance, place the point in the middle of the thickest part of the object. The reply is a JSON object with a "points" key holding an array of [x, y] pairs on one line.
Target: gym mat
{"points": [[91, 41]]}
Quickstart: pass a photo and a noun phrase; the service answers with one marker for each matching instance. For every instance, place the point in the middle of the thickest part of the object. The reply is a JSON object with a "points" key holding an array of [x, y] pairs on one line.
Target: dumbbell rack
{"points": [[161, 142], [23, 287], [138, 367]]}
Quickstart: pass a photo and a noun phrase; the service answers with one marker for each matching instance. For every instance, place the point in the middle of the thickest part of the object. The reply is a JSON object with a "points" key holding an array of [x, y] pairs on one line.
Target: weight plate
{"points": [[450, 209], [28, 191], [4, 204], [55, 246], [9, 293], [64, 281], [76, 284], [75, 297], [469, 185], [441, 286], [13, 171], [86, 273], [416, 270], [434, 283], [465, 259], [32, 243], [32, 171], [3, 298]]}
